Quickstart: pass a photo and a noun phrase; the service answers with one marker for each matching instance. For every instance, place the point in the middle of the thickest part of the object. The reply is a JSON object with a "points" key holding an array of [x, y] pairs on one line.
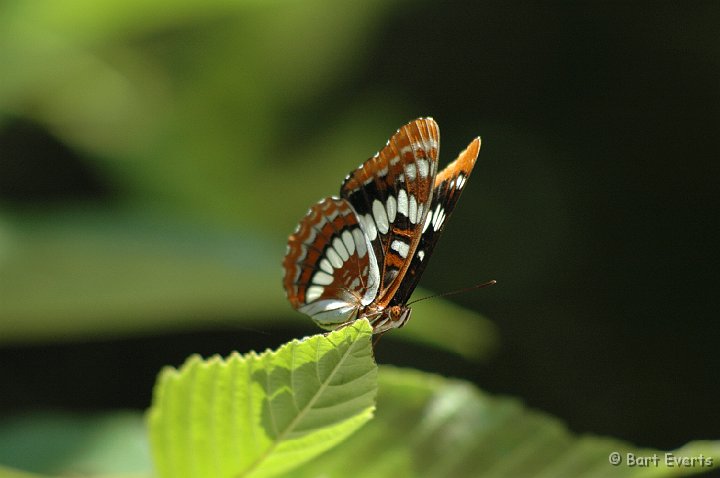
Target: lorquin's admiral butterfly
{"points": [[361, 255]]}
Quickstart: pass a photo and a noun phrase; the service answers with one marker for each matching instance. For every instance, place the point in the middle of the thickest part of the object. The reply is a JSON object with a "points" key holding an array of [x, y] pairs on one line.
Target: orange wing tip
{"points": [[466, 158], [473, 148]]}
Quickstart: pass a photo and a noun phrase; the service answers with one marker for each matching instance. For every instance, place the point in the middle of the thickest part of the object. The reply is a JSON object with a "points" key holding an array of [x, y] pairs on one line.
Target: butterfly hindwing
{"points": [[391, 193], [330, 267], [447, 189]]}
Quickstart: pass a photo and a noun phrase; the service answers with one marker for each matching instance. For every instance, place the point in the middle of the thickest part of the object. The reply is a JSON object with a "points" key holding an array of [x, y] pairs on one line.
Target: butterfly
{"points": [[361, 255]]}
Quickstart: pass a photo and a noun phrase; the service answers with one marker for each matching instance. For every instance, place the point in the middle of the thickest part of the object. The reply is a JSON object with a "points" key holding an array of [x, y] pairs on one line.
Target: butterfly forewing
{"points": [[448, 185], [330, 267], [391, 194]]}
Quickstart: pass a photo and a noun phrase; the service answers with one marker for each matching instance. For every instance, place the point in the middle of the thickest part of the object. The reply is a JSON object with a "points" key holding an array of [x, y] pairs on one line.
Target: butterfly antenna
{"points": [[453, 292]]}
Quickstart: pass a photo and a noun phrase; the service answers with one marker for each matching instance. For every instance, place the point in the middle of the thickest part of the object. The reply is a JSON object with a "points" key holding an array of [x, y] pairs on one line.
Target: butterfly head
{"points": [[389, 318]]}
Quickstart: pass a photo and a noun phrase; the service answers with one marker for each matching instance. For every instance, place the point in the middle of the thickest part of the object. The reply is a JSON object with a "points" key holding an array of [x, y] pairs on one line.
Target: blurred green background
{"points": [[155, 155]]}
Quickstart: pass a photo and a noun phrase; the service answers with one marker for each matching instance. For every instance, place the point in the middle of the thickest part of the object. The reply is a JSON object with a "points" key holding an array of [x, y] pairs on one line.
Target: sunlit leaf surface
{"points": [[259, 415]]}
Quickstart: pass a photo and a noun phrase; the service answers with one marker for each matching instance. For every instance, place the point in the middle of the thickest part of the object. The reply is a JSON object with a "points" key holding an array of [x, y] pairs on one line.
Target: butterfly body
{"points": [[361, 255]]}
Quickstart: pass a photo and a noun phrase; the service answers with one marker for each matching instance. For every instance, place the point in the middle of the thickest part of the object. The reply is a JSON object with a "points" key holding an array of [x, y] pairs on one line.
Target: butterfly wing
{"points": [[372, 245], [391, 193], [330, 266], [446, 192]]}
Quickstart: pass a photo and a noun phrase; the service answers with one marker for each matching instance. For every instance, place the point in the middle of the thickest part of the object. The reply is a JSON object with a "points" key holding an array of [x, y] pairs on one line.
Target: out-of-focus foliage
{"points": [[183, 105], [70, 443]]}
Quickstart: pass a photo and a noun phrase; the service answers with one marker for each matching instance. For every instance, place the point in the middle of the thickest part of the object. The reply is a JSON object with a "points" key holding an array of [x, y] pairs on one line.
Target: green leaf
{"points": [[260, 415], [428, 426]]}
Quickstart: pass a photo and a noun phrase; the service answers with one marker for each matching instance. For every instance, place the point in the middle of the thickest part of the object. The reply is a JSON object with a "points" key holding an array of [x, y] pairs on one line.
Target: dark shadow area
{"points": [[36, 168]]}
